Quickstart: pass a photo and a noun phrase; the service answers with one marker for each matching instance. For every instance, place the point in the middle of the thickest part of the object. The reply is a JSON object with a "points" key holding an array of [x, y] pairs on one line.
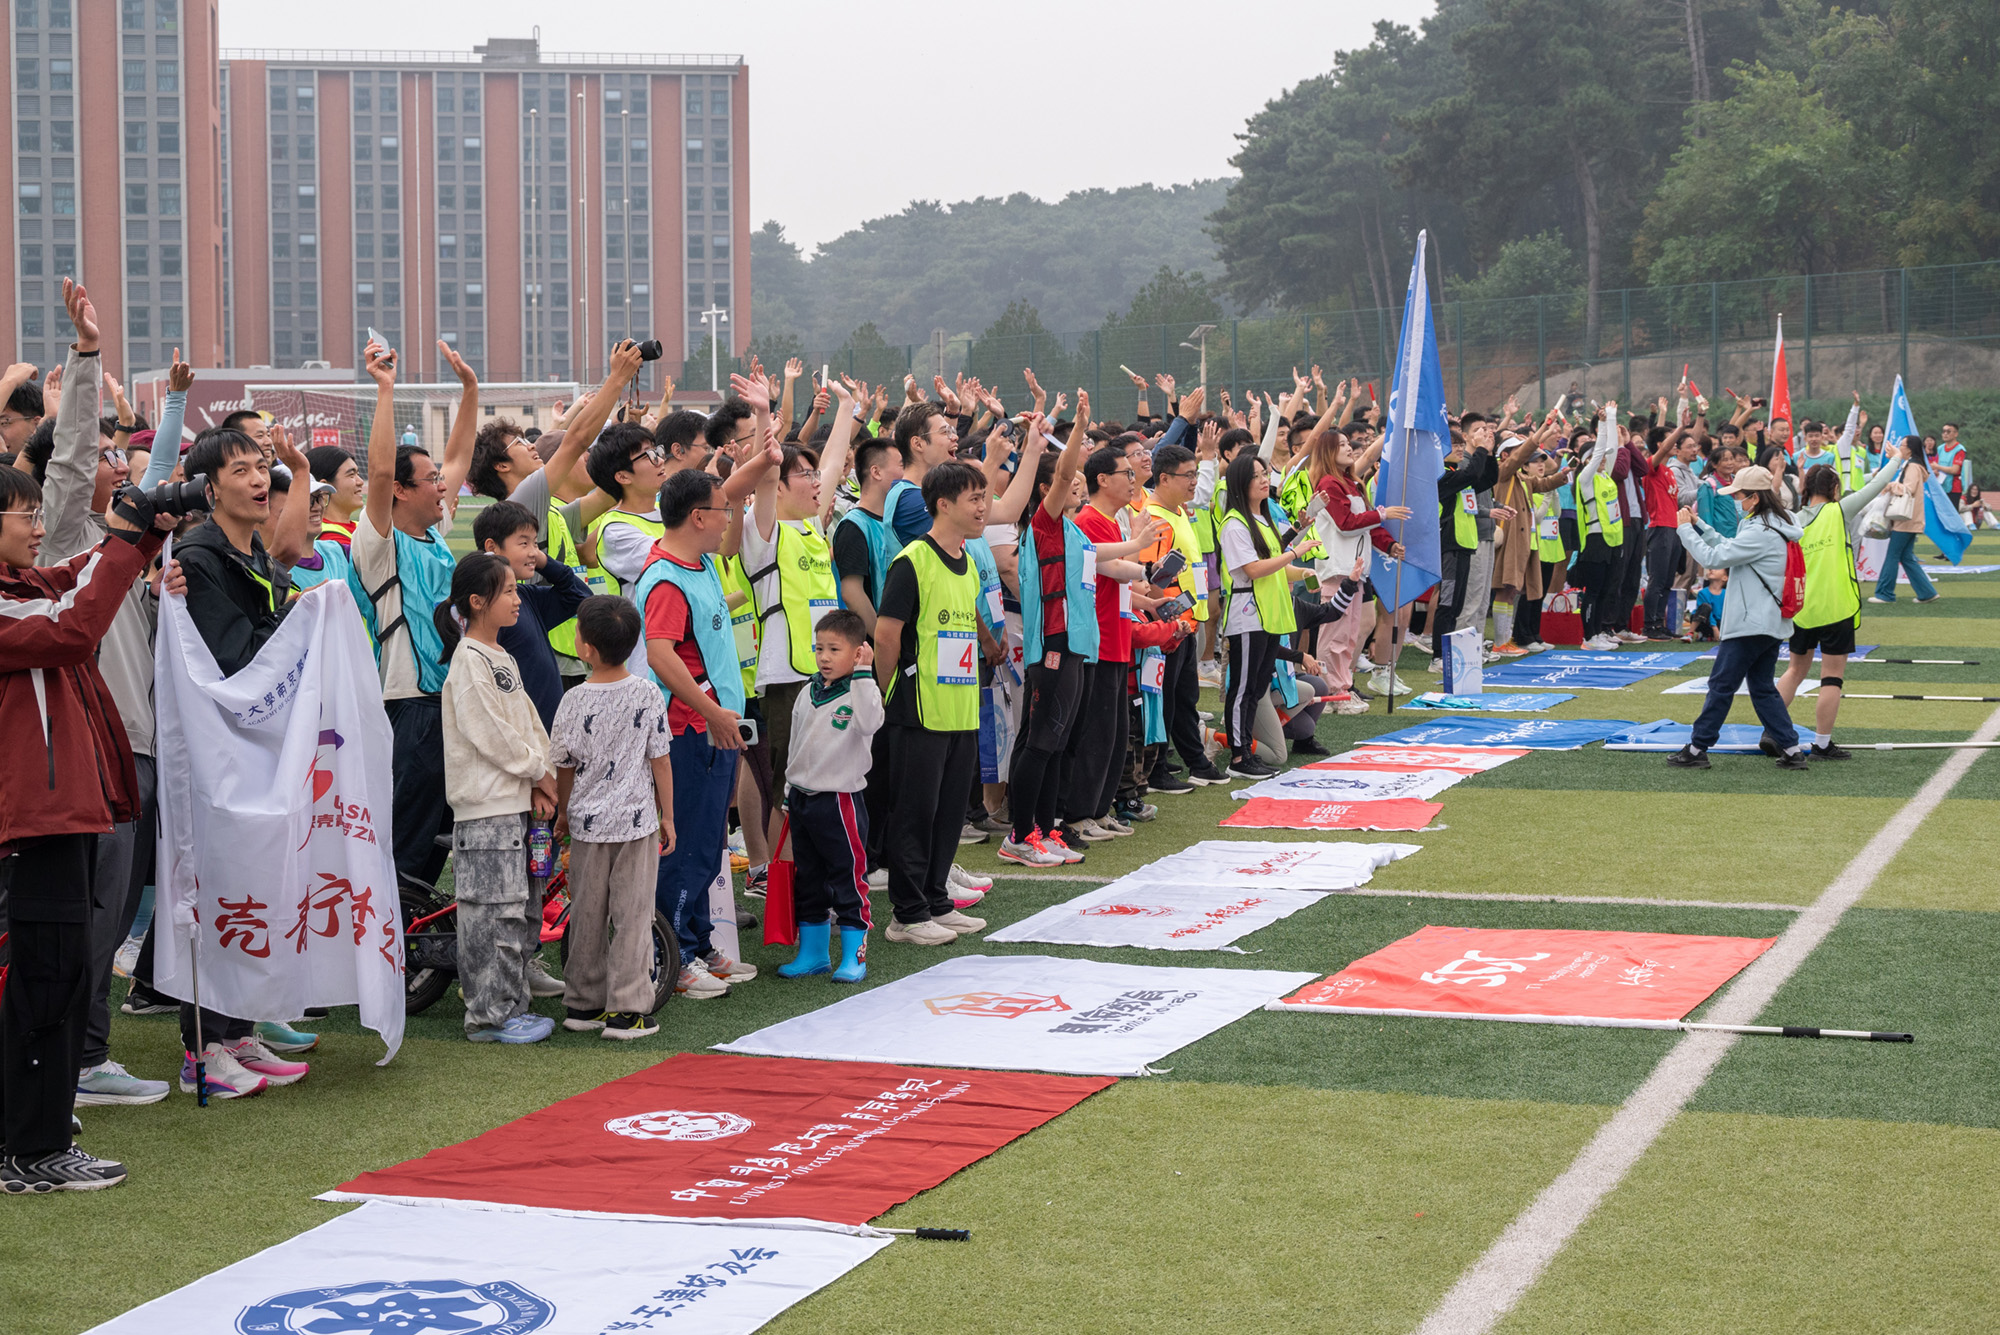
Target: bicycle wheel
{"points": [[422, 986], [666, 961]]}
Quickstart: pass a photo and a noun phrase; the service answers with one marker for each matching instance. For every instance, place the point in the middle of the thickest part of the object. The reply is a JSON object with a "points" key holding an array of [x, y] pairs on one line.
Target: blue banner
{"points": [[1530, 702], [1943, 524], [1541, 734], [1413, 450], [1667, 735], [1584, 670]]}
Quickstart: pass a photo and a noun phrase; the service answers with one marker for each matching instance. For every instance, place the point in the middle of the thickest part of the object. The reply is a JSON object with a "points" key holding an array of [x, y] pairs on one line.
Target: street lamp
{"points": [[1200, 335], [715, 317]]}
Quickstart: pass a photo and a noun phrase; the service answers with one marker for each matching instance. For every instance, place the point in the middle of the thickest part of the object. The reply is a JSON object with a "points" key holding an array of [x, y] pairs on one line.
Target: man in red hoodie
{"points": [[73, 778]]}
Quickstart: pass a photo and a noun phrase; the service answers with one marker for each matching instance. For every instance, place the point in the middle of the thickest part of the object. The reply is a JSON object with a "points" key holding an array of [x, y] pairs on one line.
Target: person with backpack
{"points": [[1766, 590]]}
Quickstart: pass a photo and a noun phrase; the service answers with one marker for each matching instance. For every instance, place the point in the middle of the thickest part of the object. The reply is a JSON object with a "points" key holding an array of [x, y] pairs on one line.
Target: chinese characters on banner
{"points": [[274, 848]]}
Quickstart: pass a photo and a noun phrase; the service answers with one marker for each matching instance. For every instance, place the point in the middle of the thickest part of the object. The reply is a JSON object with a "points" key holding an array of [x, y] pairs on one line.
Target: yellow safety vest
{"points": [[807, 589], [652, 528], [562, 548], [1833, 593], [1464, 521], [1546, 508], [947, 627], [744, 627], [1610, 520], [1273, 592], [1194, 579]]}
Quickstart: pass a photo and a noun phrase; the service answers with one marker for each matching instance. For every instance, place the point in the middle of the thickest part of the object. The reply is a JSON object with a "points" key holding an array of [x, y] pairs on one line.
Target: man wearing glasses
{"points": [[1175, 473], [402, 571], [24, 407]]}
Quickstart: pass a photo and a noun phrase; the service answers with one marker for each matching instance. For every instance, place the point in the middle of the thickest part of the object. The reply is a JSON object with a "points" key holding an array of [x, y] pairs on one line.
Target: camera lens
{"points": [[650, 350]]}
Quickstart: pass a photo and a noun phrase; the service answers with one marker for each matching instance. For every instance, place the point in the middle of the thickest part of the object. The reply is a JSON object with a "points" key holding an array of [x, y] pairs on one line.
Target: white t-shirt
{"points": [[624, 550], [1239, 550], [774, 656]]}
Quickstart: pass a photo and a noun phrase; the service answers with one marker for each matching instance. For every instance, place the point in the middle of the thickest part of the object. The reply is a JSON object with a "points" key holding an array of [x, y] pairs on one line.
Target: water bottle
{"points": [[541, 849]]}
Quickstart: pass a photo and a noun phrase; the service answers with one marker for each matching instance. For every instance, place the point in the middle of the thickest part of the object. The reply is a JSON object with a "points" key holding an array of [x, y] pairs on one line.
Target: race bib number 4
{"points": [[957, 655]]}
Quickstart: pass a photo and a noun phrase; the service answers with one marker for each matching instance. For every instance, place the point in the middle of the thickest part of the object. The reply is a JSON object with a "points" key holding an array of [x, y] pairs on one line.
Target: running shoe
{"points": [[283, 1038], [1309, 746], [109, 1084], [1831, 751], [1087, 830], [958, 924], [1353, 704], [1112, 825], [958, 878], [60, 1170], [143, 1000], [1029, 852], [1250, 768], [968, 833], [1689, 758], [1205, 775], [927, 933], [1167, 783], [225, 1076], [583, 1019], [878, 879], [253, 1056], [1056, 844], [727, 969], [540, 984], [627, 1025], [696, 983], [1132, 809], [520, 1029], [757, 881]]}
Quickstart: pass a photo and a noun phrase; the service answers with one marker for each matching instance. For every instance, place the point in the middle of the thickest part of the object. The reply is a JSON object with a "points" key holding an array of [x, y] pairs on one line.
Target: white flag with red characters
{"points": [[274, 846]]}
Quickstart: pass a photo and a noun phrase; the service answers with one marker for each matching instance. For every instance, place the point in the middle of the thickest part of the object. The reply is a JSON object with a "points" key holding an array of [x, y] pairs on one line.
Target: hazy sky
{"points": [[856, 109]]}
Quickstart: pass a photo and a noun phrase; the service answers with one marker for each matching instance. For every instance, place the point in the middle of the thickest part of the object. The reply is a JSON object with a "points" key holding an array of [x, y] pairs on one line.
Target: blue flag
{"points": [[1900, 424], [1413, 450], [1943, 524]]}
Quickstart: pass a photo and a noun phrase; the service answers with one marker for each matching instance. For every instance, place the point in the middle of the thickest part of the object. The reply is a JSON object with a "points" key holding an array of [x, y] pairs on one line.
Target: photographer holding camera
{"points": [[53, 810]]}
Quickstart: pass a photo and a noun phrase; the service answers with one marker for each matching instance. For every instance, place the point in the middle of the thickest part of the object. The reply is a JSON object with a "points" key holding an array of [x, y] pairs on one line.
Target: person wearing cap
{"points": [[1753, 619], [325, 558]]}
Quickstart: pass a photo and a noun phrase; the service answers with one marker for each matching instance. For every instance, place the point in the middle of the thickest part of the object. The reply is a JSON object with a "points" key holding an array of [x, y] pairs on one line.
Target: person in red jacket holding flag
{"points": [[72, 780]]}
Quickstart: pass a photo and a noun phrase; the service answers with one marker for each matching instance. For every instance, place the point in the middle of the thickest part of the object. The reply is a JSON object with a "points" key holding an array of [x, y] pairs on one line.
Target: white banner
{"points": [[722, 912], [1396, 756], [1026, 1013], [1159, 916], [1699, 686], [428, 1269], [1228, 865], [1351, 784], [1869, 558], [274, 821]]}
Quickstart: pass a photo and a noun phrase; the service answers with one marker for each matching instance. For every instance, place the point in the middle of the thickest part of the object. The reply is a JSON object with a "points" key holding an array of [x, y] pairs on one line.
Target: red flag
{"points": [[1781, 384], [710, 1135]]}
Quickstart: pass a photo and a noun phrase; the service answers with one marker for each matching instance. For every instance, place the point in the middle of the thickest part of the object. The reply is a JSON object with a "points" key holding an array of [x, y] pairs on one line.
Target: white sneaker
{"points": [[1384, 682], [1353, 704], [227, 1079], [728, 970], [1537, 647], [921, 933], [1437, 667], [878, 879], [128, 955], [958, 923], [696, 983], [1087, 830], [1630, 637], [539, 982], [1363, 663], [1113, 826], [1029, 852], [969, 833], [958, 878]]}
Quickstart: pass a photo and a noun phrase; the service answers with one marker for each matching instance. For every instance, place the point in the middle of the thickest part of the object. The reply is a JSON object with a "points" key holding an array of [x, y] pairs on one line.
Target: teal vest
{"points": [[981, 552], [882, 549], [709, 615], [1079, 598]]}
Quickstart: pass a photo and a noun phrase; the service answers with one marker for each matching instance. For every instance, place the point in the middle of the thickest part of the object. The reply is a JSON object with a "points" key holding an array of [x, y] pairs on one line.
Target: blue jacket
{"points": [[1755, 559]]}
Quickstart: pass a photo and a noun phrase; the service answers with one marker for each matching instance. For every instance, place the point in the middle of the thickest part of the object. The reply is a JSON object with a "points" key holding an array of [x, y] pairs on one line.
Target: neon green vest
{"points": [[947, 626], [1610, 521], [652, 528], [807, 589], [1273, 592], [1833, 594], [562, 547], [744, 627], [1546, 508], [1186, 544], [1464, 524]]}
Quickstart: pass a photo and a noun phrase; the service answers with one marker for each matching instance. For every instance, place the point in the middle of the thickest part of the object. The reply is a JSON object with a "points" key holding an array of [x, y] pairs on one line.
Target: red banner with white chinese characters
{"points": [[1534, 973], [710, 1135], [1284, 813]]}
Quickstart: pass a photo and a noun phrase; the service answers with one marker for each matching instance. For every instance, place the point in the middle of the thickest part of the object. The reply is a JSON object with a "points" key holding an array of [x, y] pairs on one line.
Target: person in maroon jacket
{"points": [[72, 779]]}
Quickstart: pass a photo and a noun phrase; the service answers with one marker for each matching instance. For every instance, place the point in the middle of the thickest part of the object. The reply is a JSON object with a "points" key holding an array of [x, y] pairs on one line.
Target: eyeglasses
{"points": [[430, 481], [8, 419], [656, 455], [34, 515]]}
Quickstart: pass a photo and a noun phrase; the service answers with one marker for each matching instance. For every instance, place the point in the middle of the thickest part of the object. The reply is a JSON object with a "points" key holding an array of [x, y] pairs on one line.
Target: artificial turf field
{"points": [[1295, 1172]]}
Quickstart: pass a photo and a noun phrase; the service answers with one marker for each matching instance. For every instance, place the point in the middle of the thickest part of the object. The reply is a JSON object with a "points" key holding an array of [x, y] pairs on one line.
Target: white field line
{"points": [[1490, 1288]]}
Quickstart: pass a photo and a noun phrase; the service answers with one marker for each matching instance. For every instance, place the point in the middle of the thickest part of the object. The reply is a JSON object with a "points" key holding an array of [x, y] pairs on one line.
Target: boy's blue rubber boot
{"points": [[811, 959], [853, 940]]}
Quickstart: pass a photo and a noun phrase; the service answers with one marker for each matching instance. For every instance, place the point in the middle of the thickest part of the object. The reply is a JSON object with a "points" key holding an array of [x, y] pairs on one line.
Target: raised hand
{"points": [[464, 373], [625, 362], [180, 376], [380, 363], [945, 395], [881, 399], [794, 369], [81, 314], [1062, 402], [1166, 383], [290, 455], [911, 393], [754, 389], [1318, 382], [1138, 380]]}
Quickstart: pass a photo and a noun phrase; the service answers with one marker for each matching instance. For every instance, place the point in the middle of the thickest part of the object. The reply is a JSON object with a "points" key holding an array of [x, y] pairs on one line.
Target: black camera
{"points": [[169, 498], [650, 350]]}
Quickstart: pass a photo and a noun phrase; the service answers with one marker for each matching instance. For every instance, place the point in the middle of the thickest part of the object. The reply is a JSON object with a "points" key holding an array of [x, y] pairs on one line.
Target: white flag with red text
{"points": [[275, 851]]}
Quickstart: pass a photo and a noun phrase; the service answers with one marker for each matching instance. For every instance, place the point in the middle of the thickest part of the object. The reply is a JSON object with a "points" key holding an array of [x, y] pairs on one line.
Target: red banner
{"points": [[1534, 974], [711, 1135], [1456, 759], [1284, 813]]}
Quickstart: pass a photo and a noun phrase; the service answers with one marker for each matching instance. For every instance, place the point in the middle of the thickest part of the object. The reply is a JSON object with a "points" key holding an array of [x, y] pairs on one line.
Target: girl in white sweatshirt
{"points": [[496, 768]]}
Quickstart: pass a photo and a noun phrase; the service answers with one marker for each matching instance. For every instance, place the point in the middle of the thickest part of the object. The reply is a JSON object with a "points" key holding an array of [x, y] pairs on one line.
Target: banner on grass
{"points": [[1535, 975], [707, 1136], [1699, 686], [1667, 735], [1583, 670], [1278, 813], [1457, 759], [433, 1268], [1159, 917], [1540, 734], [1254, 864], [274, 841], [1026, 1012], [1351, 783], [1519, 702]]}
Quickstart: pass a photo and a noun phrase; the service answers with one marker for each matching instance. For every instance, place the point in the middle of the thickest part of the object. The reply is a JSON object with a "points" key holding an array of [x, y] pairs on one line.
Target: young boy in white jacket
{"points": [[833, 721]]}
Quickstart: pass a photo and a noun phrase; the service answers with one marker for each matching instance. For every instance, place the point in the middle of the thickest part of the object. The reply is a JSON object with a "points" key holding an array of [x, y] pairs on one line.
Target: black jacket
{"points": [[236, 601]]}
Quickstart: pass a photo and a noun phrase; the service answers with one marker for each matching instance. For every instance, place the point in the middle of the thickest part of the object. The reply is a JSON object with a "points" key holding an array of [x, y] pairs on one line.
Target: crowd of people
{"points": [[851, 643]]}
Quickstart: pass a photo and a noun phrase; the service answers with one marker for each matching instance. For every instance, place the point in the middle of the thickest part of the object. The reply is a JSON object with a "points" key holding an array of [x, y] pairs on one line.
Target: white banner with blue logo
{"points": [[447, 1270]]}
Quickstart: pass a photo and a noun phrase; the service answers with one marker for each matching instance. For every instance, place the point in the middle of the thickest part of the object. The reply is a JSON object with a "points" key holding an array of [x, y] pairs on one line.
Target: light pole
{"points": [[1200, 335], [715, 317]]}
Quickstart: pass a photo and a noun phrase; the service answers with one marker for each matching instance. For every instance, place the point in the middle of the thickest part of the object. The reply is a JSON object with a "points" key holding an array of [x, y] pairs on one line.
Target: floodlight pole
{"points": [[1200, 346], [715, 317]]}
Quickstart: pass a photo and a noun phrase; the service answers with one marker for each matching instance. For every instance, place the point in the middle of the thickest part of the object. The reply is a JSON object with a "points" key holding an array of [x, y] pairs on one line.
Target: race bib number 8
{"points": [[957, 655], [1152, 674]]}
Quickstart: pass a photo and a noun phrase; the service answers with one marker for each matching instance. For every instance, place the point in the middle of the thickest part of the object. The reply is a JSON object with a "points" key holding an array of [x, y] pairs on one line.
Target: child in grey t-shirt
{"points": [[616, 785]]}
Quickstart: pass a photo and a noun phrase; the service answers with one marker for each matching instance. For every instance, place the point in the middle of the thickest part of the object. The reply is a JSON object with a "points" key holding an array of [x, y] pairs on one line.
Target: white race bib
{"points": [[997, 616], [1152, 674], [1125, 601], [1198, 575], [957, 654], [1548, 529], [1090, 566]]}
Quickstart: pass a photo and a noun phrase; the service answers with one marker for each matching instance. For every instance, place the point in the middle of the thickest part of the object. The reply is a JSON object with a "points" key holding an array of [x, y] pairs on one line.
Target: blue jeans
{"points": [[1752, 657], [704, 786], [1903, 553]]}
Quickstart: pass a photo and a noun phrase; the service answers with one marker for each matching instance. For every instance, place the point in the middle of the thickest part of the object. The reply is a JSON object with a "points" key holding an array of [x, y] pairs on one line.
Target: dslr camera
{"points": [[169, 498], [649, 349]]}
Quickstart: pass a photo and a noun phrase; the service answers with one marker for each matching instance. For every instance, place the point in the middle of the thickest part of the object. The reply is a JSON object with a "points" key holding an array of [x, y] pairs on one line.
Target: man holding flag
{"points": [[1414, 436], [1781, 397]]}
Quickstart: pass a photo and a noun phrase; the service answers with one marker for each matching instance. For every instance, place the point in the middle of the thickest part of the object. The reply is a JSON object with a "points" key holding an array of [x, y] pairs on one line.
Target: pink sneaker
{"points": [[254, 1057], [965, 899]]}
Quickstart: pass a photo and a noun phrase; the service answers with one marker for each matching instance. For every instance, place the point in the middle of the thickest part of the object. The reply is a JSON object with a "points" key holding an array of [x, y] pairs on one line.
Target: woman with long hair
{"points": [[1906, 524], [1346, 529], [1753, 619], [1259, 610], [1831, 613]]}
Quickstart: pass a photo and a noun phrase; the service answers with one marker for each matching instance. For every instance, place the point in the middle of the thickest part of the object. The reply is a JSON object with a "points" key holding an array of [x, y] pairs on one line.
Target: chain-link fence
{"points": [[1938, 327]]}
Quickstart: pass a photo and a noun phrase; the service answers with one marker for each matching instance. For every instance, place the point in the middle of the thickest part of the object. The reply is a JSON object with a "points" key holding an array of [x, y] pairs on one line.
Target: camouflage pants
{"points": [[499, 931]]}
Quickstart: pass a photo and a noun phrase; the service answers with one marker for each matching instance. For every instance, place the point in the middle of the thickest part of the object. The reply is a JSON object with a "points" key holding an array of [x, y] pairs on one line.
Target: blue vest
{"points": [[1079, 598], [708, 615], [423, 579], [1152, 712], [882, 549], [889, 504], [981, 552]]}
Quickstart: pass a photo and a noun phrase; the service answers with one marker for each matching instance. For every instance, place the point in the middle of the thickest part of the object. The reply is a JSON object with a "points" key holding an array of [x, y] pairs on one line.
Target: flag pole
{"points": [[194, 973]]}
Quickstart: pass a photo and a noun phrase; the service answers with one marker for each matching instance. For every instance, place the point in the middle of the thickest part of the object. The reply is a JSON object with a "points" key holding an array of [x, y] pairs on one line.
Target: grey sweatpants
{"points": [[124, 863], [498, 930], [610, 925]]}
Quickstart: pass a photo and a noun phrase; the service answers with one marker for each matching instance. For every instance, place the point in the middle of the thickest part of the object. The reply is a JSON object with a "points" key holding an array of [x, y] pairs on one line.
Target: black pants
{"points": [[43, 1011], [930, 773], [420, 812], [830, 859], [1097, 743], [1180, 699], [1452, 580], [1663, 562], [1041, 747], [1528, 611], [1593, 571], [1253, 659], [875, 797]]}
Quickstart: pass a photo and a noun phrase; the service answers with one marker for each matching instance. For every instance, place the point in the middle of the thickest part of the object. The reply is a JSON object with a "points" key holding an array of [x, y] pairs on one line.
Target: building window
{"points": [[364, 197], [170, 137], [388, 148], [135, 136], [447, 294], [635, 198], [135, 261], [281, 246], [31, 260], [305, 148], [28, 73], [364, 246], [139, 323], [59, 13], [471, 147], [392, 245], [278, 97], [694, 150], [133, 13], [166, 76], [695, 250], [694, 102], [475, 246], [170, 201], [135, 200], [364, 295], [28, 138], [61, 77], [447, 247], [638, 245], [722, 199], [694, 197], [447, 196], [31, 321], [281, 294], [472, 198], [163, 15], [308, 294], [718, 247], [721, 150], [390, 195], [308, 245], [475, 294], [364, 148]]}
